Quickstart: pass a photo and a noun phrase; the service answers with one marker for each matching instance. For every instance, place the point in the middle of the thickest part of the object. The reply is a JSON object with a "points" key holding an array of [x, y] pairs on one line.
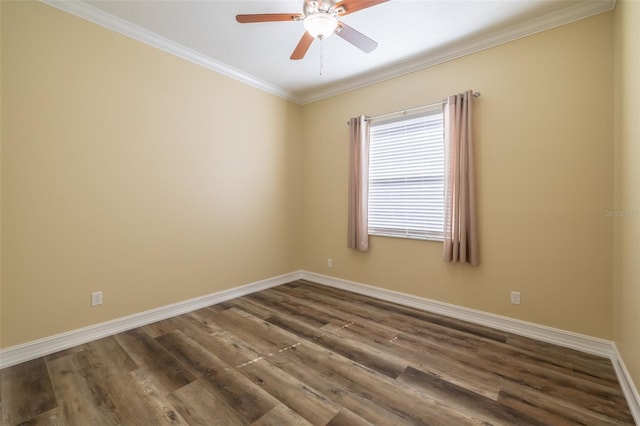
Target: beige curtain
{"points": [[358, 235], [460, 241]]}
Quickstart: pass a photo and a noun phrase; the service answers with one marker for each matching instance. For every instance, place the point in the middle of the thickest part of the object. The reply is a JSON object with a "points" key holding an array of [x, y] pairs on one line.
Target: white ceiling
{"points": [[412, 34]]}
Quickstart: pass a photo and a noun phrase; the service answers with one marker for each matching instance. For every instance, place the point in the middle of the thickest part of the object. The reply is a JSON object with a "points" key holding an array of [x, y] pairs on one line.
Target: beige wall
{"points": [[127, 170], [627, 185], [131, 171], [544, 158]]}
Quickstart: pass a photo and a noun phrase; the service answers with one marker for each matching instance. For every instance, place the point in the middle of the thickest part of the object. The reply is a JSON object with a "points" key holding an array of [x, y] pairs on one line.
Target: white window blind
{"points": [[406, 177]]}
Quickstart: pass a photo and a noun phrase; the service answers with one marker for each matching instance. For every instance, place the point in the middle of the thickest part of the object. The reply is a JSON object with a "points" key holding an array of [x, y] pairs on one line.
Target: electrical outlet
{"points": [[515, 297], [329, 263], [96, 298]]}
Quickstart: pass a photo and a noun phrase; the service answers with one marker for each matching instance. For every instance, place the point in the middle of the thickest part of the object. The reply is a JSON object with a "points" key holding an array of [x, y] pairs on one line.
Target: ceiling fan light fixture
{"points": [[320, 25]]}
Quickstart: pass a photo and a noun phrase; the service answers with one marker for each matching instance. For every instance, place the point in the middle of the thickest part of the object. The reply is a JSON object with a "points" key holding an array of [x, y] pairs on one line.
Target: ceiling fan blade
{"points": [[356, 38], [351, 6], [268, 17], [302, 47]]}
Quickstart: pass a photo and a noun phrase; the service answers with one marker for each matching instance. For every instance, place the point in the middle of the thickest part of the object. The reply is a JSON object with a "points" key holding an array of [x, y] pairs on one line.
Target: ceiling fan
{"points": [[320, 18]]}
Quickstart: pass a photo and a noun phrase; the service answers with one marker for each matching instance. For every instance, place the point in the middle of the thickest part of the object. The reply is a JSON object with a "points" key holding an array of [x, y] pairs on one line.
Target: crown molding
{"points": [[106, 20], [466, 47], [457, 50]]}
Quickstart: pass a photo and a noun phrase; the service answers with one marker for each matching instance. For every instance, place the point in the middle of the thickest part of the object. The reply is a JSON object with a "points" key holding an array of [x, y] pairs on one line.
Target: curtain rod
{"points": [[404, 111]]}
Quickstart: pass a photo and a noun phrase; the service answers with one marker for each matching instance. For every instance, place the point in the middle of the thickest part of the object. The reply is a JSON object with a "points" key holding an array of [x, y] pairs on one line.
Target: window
{"points": [[406, 176]]}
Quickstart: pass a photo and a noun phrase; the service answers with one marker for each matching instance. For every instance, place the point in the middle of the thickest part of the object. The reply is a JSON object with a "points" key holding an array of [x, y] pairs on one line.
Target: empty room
{"points": [[325, 212]]}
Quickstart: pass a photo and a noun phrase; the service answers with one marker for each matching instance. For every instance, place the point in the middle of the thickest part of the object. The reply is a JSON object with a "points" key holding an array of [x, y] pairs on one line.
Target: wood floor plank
{"points": [[345, 308], [556, 382], [449, 350], [494, 357], [301, 397], [303, 353], [385, 324], [372, 357], [540, 360], [388, 307], [262, 336], [289, 363], [368, 335], [158, 328], [241, 394], [27, 392], [248, 305], [329, 337], [321, 315], [62, 353], [585, 408], [178, 323], [302, 330], [166, 372], [299, 309], [190, 321], [372, 396], [49, 418], [138, 400], [348, 418], [368, 355], [107, 351], [143, 403], [225, 345], [198, 406], [200, 327], [452, 369], [499, 372], [549, 412], [464, 400], [208, 316], [448, 339], [608, 397], [590, 365], [281, 415], [83, 398]]}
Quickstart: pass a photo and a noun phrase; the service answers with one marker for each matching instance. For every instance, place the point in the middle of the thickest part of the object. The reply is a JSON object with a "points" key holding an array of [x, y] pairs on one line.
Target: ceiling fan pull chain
{"points": [[321, 56]]}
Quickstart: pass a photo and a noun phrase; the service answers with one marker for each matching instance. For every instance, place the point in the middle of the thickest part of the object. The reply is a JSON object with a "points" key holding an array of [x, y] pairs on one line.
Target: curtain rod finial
{"points": [[476, 94]]}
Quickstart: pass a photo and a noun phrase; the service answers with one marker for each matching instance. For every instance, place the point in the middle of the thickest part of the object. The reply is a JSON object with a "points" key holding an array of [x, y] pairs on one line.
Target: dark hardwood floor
{"points": [[302, 353]]}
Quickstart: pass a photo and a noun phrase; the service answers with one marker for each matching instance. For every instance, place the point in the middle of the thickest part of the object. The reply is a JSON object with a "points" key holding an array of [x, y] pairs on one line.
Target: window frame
{"points": [[426, 231]]}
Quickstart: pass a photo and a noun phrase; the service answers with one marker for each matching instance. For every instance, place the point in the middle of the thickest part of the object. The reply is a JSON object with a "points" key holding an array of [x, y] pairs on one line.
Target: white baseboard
{"points": [[37, 348], [556, 336], [568, 339], [626, 383], [48, 345]]}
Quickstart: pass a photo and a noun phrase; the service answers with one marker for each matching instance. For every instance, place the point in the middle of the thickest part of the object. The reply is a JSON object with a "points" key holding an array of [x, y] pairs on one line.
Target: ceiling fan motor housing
{"points": [[328, 7]]}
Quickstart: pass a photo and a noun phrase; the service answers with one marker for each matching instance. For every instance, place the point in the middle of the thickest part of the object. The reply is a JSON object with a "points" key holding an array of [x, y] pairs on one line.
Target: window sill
{"points": [[408, 237]]}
